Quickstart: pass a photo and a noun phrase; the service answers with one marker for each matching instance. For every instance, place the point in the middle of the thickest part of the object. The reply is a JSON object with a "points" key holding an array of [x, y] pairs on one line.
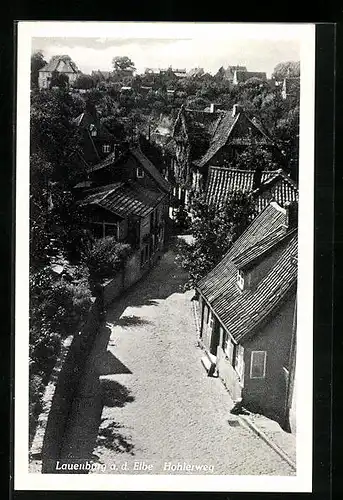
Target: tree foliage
{"points": [[122, 64], [37, 63], [85, 82], [105, 257], [285, 69], [214, 231]]}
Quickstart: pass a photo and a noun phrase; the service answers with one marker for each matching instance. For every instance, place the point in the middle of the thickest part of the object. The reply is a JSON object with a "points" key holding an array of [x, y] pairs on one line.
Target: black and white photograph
{"points": [[164, 256]]}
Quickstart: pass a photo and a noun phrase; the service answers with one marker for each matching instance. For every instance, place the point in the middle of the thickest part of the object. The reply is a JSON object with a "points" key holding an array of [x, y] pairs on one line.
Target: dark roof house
{"points": [[241, 76], [98, 142], [124, 167], [234, 128], [248, 307]]}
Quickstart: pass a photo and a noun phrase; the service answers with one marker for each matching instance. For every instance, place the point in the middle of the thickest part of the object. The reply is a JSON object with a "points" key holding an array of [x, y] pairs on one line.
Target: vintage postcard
{"points": [[164, 256]]}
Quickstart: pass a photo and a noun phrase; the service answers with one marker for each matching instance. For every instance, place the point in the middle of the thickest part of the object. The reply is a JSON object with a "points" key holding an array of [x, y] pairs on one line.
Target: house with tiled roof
{"points": [[58, 64], [195, 72], [247, 313], [241, 76], [127, 197], [212, 137], [229, 72], [97, 141], [262, 186]]}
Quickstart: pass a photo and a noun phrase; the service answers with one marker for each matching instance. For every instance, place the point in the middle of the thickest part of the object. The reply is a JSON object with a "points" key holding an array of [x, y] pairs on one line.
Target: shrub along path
{"points": [[145, 396]]}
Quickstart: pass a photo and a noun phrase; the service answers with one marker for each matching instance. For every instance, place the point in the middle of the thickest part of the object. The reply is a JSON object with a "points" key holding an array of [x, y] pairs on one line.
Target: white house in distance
{"points": [[60, 64]]}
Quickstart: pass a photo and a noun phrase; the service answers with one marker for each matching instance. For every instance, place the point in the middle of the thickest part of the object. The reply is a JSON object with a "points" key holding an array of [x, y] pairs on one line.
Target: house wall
{"points": [[44, 79], [133, 270], [127, 170], [113, 288], [267, 395], [45, 76], [293, 409], [228, 375]]}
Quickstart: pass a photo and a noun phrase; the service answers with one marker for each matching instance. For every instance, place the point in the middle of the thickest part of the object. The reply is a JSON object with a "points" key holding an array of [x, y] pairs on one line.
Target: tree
{"points": [[122, 65], [37, 62], [256, 157], [53, 132], [85, 82], [214, 230], [59, 80], [284, 69]]}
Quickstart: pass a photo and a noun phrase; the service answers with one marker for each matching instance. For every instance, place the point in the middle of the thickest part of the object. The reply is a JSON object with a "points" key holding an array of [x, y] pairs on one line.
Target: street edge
{"points": [[270, 443]]}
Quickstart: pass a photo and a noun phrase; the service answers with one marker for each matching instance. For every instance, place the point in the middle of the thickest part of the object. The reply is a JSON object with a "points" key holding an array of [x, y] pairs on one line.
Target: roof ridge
{"points": [[283, 236]]}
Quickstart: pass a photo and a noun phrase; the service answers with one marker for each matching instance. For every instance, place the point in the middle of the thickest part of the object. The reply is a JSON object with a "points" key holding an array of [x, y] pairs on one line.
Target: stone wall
{"points": [[66, 386]]}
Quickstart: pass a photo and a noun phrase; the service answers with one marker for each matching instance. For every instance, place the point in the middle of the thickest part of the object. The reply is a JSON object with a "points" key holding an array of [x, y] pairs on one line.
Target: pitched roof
{"points": [[188, 117], [110, 159], [69, 65], [256, 252], [243, 76], [151, 169], [275, 184], [196, 72], [124, 199], [113, 159], [86, 119], [223, 132], [242, 312]]}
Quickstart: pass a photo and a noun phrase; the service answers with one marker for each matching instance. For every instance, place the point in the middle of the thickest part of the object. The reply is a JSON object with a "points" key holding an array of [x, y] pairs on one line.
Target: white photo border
{"points": [[302, 481]]}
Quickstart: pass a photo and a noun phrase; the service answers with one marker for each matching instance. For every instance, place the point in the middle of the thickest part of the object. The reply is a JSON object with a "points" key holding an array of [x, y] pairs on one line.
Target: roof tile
{"points": [[242, 312]]}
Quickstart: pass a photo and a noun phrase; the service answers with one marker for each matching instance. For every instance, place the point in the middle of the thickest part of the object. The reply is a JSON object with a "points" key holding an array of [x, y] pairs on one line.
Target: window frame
{"points": [[138, 170], [264, 365], [240, 279]]}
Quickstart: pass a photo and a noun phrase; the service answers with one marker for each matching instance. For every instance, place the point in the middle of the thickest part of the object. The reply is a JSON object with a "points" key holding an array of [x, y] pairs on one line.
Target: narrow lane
{"points": [[145, 397]]}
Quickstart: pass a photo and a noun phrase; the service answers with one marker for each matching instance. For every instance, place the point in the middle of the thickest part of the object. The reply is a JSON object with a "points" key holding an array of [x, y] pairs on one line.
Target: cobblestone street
{"points": [[145, 397]]}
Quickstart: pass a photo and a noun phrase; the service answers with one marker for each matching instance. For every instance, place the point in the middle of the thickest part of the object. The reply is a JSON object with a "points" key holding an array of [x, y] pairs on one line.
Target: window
{"points": [[93, 130], [258, 364], [227, 344], [139, 173], [210, 321], [240, 279], [106, 148]]}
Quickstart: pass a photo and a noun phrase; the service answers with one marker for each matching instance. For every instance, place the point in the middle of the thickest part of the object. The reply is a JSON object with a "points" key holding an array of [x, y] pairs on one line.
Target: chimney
{"points": [[212, 107], [236, 109], [291, 215]]}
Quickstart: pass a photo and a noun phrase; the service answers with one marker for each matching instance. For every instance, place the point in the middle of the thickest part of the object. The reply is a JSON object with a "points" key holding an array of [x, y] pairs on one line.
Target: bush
{"points": [[56, 305], [44, 352], [181, 219], [105, 257]]}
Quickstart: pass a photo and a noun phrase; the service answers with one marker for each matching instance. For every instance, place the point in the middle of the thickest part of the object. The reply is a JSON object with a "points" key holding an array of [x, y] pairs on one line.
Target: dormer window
{"points": [[140, 173], [93, 130], [106, 148], [240, 279]]}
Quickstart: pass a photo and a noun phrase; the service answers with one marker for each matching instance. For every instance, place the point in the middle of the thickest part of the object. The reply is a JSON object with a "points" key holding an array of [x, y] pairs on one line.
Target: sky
{"points": [[209, 48]]}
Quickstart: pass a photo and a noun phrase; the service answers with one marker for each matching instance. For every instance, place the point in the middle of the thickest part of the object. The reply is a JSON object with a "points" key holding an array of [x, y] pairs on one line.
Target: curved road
{"points": [[145, 398]]}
